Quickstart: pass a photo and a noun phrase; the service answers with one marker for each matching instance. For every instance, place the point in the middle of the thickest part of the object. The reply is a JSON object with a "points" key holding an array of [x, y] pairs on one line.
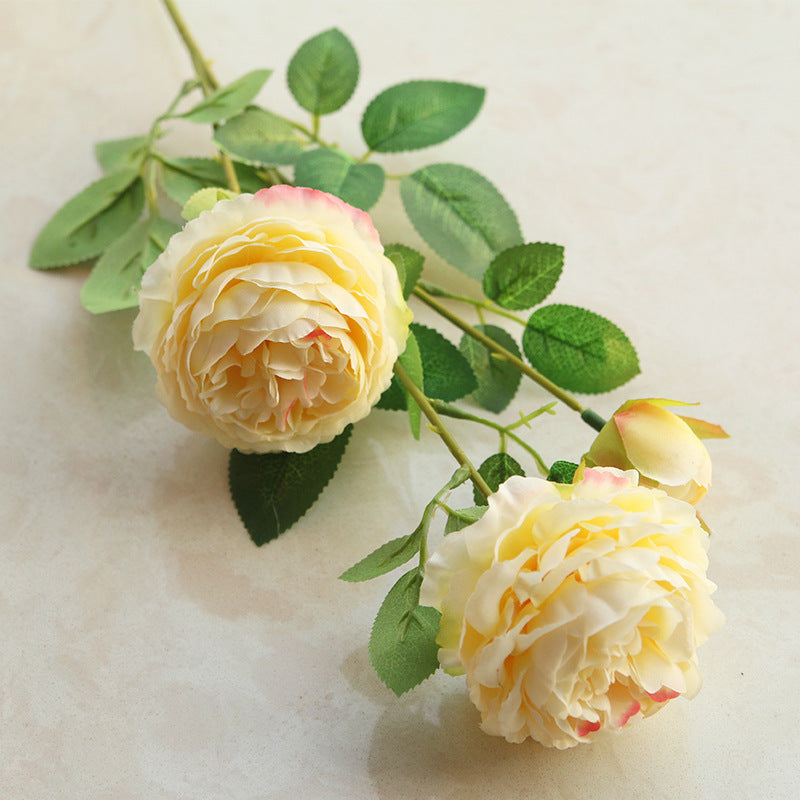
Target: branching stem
{"points": [[587, 415], [441, 429], [207, 80]]}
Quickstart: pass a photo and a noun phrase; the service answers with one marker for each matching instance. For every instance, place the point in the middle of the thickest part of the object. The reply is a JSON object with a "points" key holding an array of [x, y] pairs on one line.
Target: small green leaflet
{"points": [[446, 373], [562, 472], [578, 349], [228, 101], [395, 553], [360, 185], [409, 264], [411, 361], [88, 223], [183, 177], [119, 154], [498, 380], [523, 276], [260, 138], [323, 73], [460, 214], [272, 491], [497, 469], [114, 282], [462, 517], [387, 557], [402, 645], [417, 114], [204, 200]]}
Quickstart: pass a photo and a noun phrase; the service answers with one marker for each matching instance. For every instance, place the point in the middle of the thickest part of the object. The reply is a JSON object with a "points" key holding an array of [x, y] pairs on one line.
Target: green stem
{"points": [[479, 305], [501, 351], [441, 429], [445, 409], [204, 74], [207, 81]]}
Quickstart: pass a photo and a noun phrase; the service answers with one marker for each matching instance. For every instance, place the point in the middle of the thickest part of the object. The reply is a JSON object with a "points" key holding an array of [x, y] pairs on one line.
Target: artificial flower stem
{"points": [[445, 409], [204, 75], [207, 80], [479, 305], [587, 415], [441, 429]]}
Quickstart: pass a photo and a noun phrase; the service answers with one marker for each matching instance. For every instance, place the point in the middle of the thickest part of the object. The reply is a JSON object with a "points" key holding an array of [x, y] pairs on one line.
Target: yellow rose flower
{"points": [[273, 320], [664, 448], [573, 609]]}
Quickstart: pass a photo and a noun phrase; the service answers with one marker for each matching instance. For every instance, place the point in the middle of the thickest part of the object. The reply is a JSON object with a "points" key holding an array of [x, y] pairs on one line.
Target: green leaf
{"points": [[411, 361], [117, 154], [578, 349], [259, 138], [409, 264], [463, 517], [562, 472], [418, 114], [524, 275], [331, 171], [272, 491], [387, 557], [323, 73], [115, 280], [446, 373], [183, 177], [498, 380], [402, 646], [85, 225], [228, 101], [497, 469], [460, 214], [394, 398]]}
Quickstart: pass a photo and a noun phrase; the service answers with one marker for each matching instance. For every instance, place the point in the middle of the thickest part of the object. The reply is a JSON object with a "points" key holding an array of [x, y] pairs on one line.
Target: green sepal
{"points": [[446, 373], [409, 264], [524, 275], [228, 101], [416, 114], [90, 221], [114, 282], [498, 380], [579, 350], [204, 200], [497, 469], [117, 154], [271, 491], [259, 138], [323, 73], [330, 171], [462, 517], [402, 645], [460, 214], [562, 472], [411, 361], [183, 177]]}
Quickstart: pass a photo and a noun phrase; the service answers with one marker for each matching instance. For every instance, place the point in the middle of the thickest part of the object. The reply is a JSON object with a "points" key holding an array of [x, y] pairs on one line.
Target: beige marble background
{"points": [[148, 650]]}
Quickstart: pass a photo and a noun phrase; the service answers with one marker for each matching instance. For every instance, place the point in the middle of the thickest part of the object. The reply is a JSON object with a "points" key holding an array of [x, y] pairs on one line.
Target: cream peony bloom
{"points": [[273, 320], [664, 448], [573, 608]]}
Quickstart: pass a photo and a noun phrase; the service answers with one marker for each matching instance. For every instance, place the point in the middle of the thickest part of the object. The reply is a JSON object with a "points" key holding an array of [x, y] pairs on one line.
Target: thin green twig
{"points": [[447, 410], [441, 429]]}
